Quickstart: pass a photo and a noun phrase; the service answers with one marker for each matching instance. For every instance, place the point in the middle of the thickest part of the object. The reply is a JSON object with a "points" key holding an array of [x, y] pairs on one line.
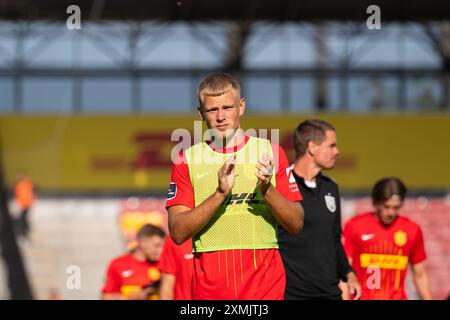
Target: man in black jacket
{"points": [[314, 259]]}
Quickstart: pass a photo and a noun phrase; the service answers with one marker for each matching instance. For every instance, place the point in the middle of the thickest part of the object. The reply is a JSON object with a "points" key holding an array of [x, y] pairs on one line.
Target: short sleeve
{"points": [[285, 182], [418, 249], [180, 191]]}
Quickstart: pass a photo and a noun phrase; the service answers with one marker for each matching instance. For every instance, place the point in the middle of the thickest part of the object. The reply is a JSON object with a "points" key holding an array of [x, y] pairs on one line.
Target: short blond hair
{"points": [[217, 84]]}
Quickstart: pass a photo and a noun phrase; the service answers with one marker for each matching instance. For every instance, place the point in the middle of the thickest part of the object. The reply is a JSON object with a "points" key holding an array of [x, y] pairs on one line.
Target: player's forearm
{"points": [[288, 214], [166, 294], [167, 286], [184, 224], [423, 286], [344, 267], [345, 295]]}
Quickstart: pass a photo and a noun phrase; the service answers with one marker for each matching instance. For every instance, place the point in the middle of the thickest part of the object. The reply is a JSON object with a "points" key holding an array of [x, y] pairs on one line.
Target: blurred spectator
{"points": [[135, 275], [176, 266], [381, 244], [24, 196]]}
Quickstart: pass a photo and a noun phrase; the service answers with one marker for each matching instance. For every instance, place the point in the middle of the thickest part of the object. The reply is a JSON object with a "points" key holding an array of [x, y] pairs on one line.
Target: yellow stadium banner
{"points": [[133, 153]]}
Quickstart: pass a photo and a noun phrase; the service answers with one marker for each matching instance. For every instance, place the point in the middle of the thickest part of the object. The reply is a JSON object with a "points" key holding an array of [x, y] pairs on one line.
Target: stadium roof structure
{"points": [[188, 10]]}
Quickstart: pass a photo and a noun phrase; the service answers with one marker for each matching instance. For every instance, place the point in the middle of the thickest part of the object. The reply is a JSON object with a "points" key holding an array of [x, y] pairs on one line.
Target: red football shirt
{"points": [[235, 274], [126, 274], [177, 260], [381, 254]]}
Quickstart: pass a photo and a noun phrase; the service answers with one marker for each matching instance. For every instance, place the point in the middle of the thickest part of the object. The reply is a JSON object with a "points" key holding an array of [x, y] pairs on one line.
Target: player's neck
{"points": [[234, 140], [306, 169], [139, 255], [383, 224]]}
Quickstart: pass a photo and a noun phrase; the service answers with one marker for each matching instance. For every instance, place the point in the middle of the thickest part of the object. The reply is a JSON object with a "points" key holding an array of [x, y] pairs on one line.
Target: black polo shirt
{"points": [[314, 259]]}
